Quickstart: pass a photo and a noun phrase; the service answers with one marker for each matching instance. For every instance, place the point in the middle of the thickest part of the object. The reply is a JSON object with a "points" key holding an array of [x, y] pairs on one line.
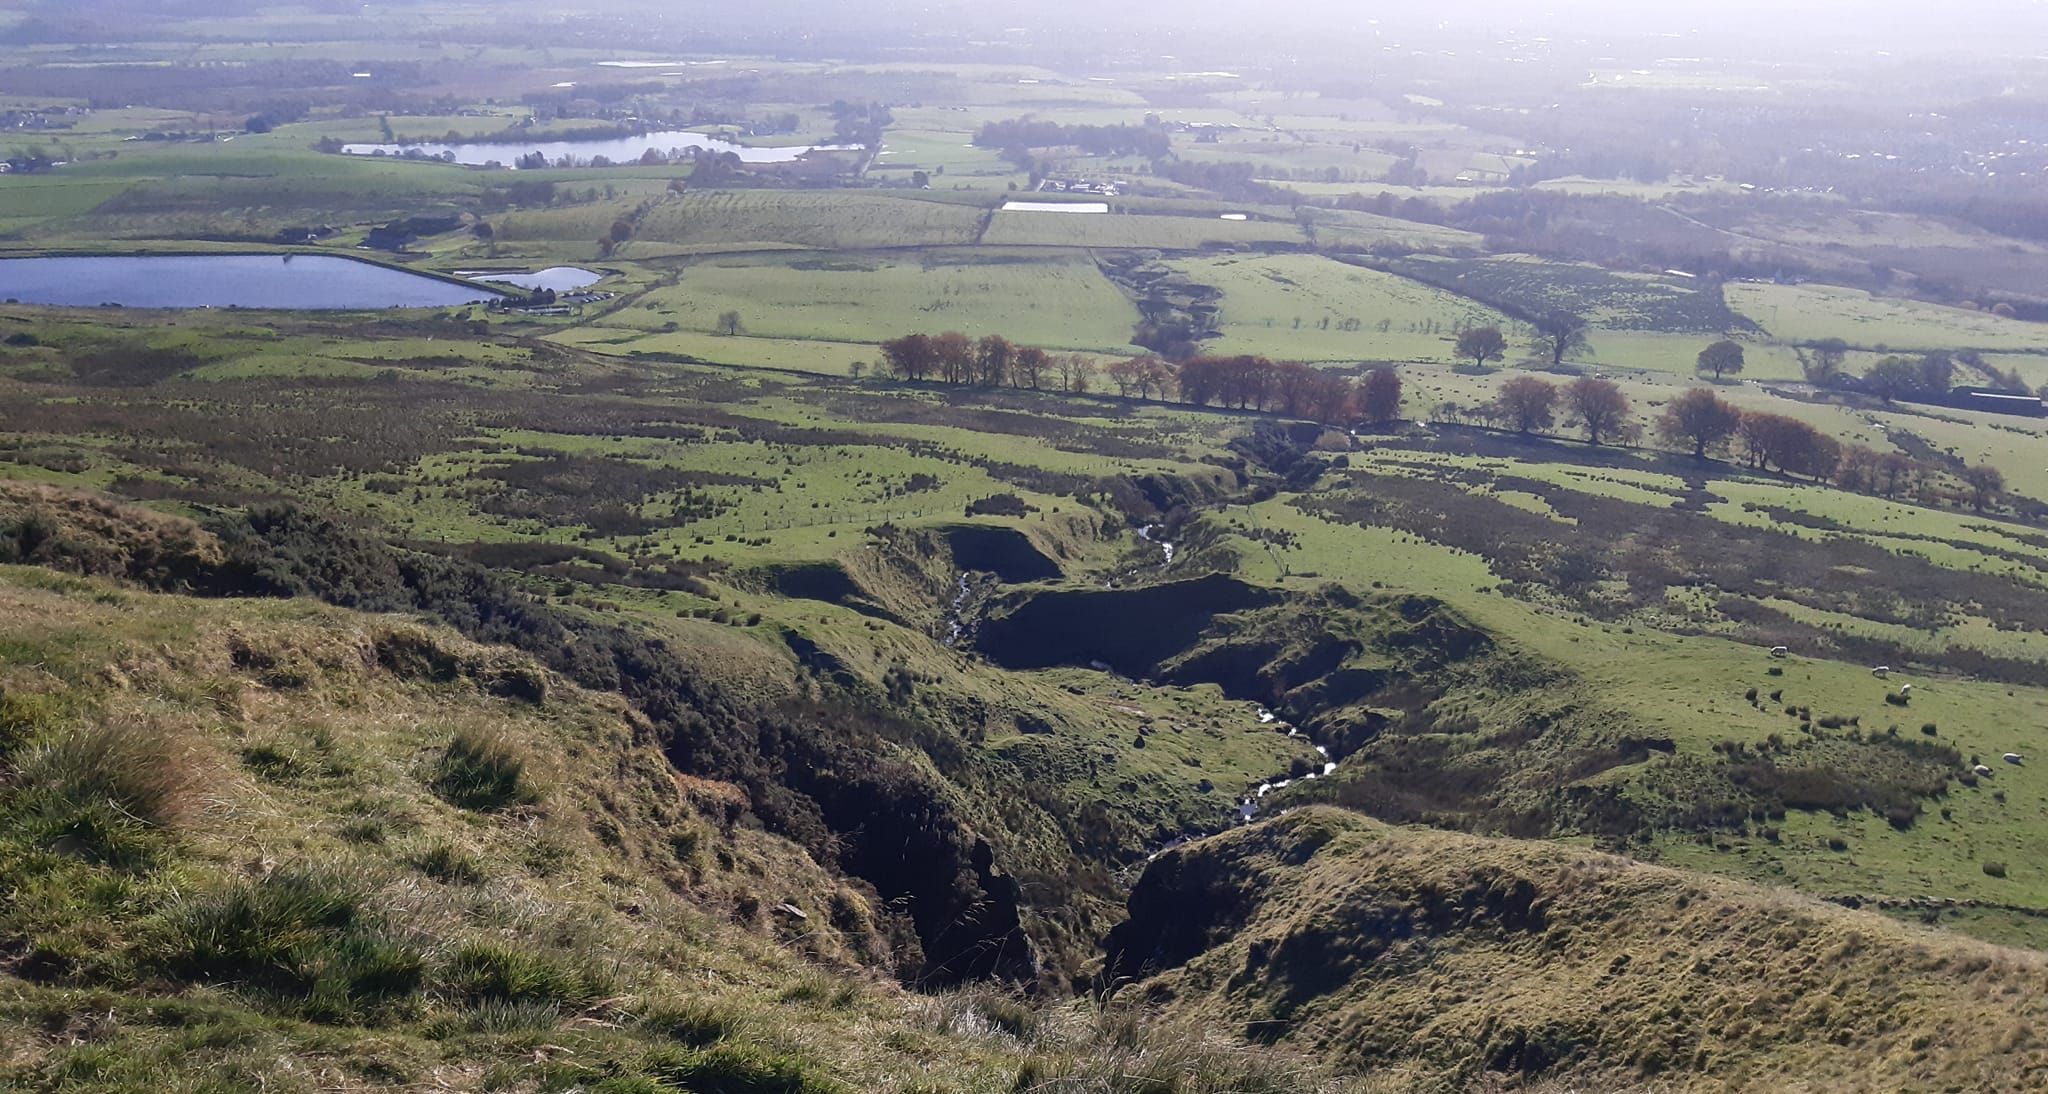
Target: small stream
{"points": [[1248, 806], [956, 626], [1145, 533]]}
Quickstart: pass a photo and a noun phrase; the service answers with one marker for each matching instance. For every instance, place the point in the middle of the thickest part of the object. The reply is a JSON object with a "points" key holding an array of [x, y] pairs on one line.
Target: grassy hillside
{"points": [[784, 539], [1461, 962], [265, 844]]}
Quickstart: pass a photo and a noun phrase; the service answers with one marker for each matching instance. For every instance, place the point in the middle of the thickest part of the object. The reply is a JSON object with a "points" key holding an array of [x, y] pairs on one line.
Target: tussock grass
{"points": [[1118, 1049], [22, 716], [696, 1023], [106, 791], [484, 772], [299, 935], [451, 865], [484, 972], [738, 1069], [1100, 1046]]}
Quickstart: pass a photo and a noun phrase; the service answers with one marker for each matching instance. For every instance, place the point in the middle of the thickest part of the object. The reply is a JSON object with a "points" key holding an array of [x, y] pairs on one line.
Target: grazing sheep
{"points": [[1781, 651], [1906, 690], [1981, 771], [2013, 758], [1881, 671]]}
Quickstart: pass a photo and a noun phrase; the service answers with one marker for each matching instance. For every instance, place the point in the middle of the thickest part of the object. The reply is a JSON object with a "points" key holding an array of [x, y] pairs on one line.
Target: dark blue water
{"points": [[302, 282]]}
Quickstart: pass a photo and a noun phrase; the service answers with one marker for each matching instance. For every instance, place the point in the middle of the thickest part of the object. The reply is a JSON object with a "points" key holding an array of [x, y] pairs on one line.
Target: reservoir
{"points": [[277, 282], [619, 150]]}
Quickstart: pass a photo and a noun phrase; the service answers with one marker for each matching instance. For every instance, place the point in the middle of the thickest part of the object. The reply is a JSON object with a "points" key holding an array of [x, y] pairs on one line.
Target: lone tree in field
{"points": [[1698, 420], [1985, 483], [1597, 406], [728, 323], [1379, 398], [1720, 358], [1483, 344], [1560, 335], [1823, 362], [1527, 404]]}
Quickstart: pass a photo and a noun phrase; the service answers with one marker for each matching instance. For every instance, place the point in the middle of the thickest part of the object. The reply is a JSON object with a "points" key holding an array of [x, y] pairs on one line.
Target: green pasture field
{"points": [[2032, 368], [826, 220], [1809, 313], [791, 354], [1678, 354], [949, 153], [1292, 306], [211, 191], [580, 223], [1058, 300], [1692, 687], [26, 200], [1604, 298], [1836, 224], [2017, 447], [1280, 155], [1646, 191], [1350, 230], [1445, 195], [1112, 229]]}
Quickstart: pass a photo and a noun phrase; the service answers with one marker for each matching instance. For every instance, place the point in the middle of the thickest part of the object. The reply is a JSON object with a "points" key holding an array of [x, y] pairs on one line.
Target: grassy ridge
{"points": [[1462, 961]]}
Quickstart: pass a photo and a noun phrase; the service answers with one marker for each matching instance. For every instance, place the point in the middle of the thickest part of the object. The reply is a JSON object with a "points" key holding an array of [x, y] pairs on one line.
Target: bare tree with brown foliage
{"points": [[1699, 420], [1527, 404], [1596, 406]]}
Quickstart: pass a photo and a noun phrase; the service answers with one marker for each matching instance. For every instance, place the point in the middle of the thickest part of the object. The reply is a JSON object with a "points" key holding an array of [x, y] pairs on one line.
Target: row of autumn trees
{"points": [[1702, 423], [1699, 422], [1243, 382]]}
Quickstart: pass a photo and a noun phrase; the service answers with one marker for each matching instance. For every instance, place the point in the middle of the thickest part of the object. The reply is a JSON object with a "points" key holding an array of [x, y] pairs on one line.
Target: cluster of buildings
{"points": [[1099, 187], [41, 120]]}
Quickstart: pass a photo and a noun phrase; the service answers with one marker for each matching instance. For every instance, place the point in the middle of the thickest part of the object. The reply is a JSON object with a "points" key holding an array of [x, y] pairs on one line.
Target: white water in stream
{"points": [[1145, 533], [1248, 806], [954, 620]]}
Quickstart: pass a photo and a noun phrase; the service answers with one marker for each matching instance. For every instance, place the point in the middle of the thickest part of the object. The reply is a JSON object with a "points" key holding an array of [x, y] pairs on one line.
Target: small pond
{"points": [[277, 282], [558, 278], [619, 150]]}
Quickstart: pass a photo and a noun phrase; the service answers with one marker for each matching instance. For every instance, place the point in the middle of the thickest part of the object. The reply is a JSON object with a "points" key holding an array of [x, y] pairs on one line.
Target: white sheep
{"points": [[1881, 671], [1781, 651], [1982, 771], [2013, 758], [1906, 691]]}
